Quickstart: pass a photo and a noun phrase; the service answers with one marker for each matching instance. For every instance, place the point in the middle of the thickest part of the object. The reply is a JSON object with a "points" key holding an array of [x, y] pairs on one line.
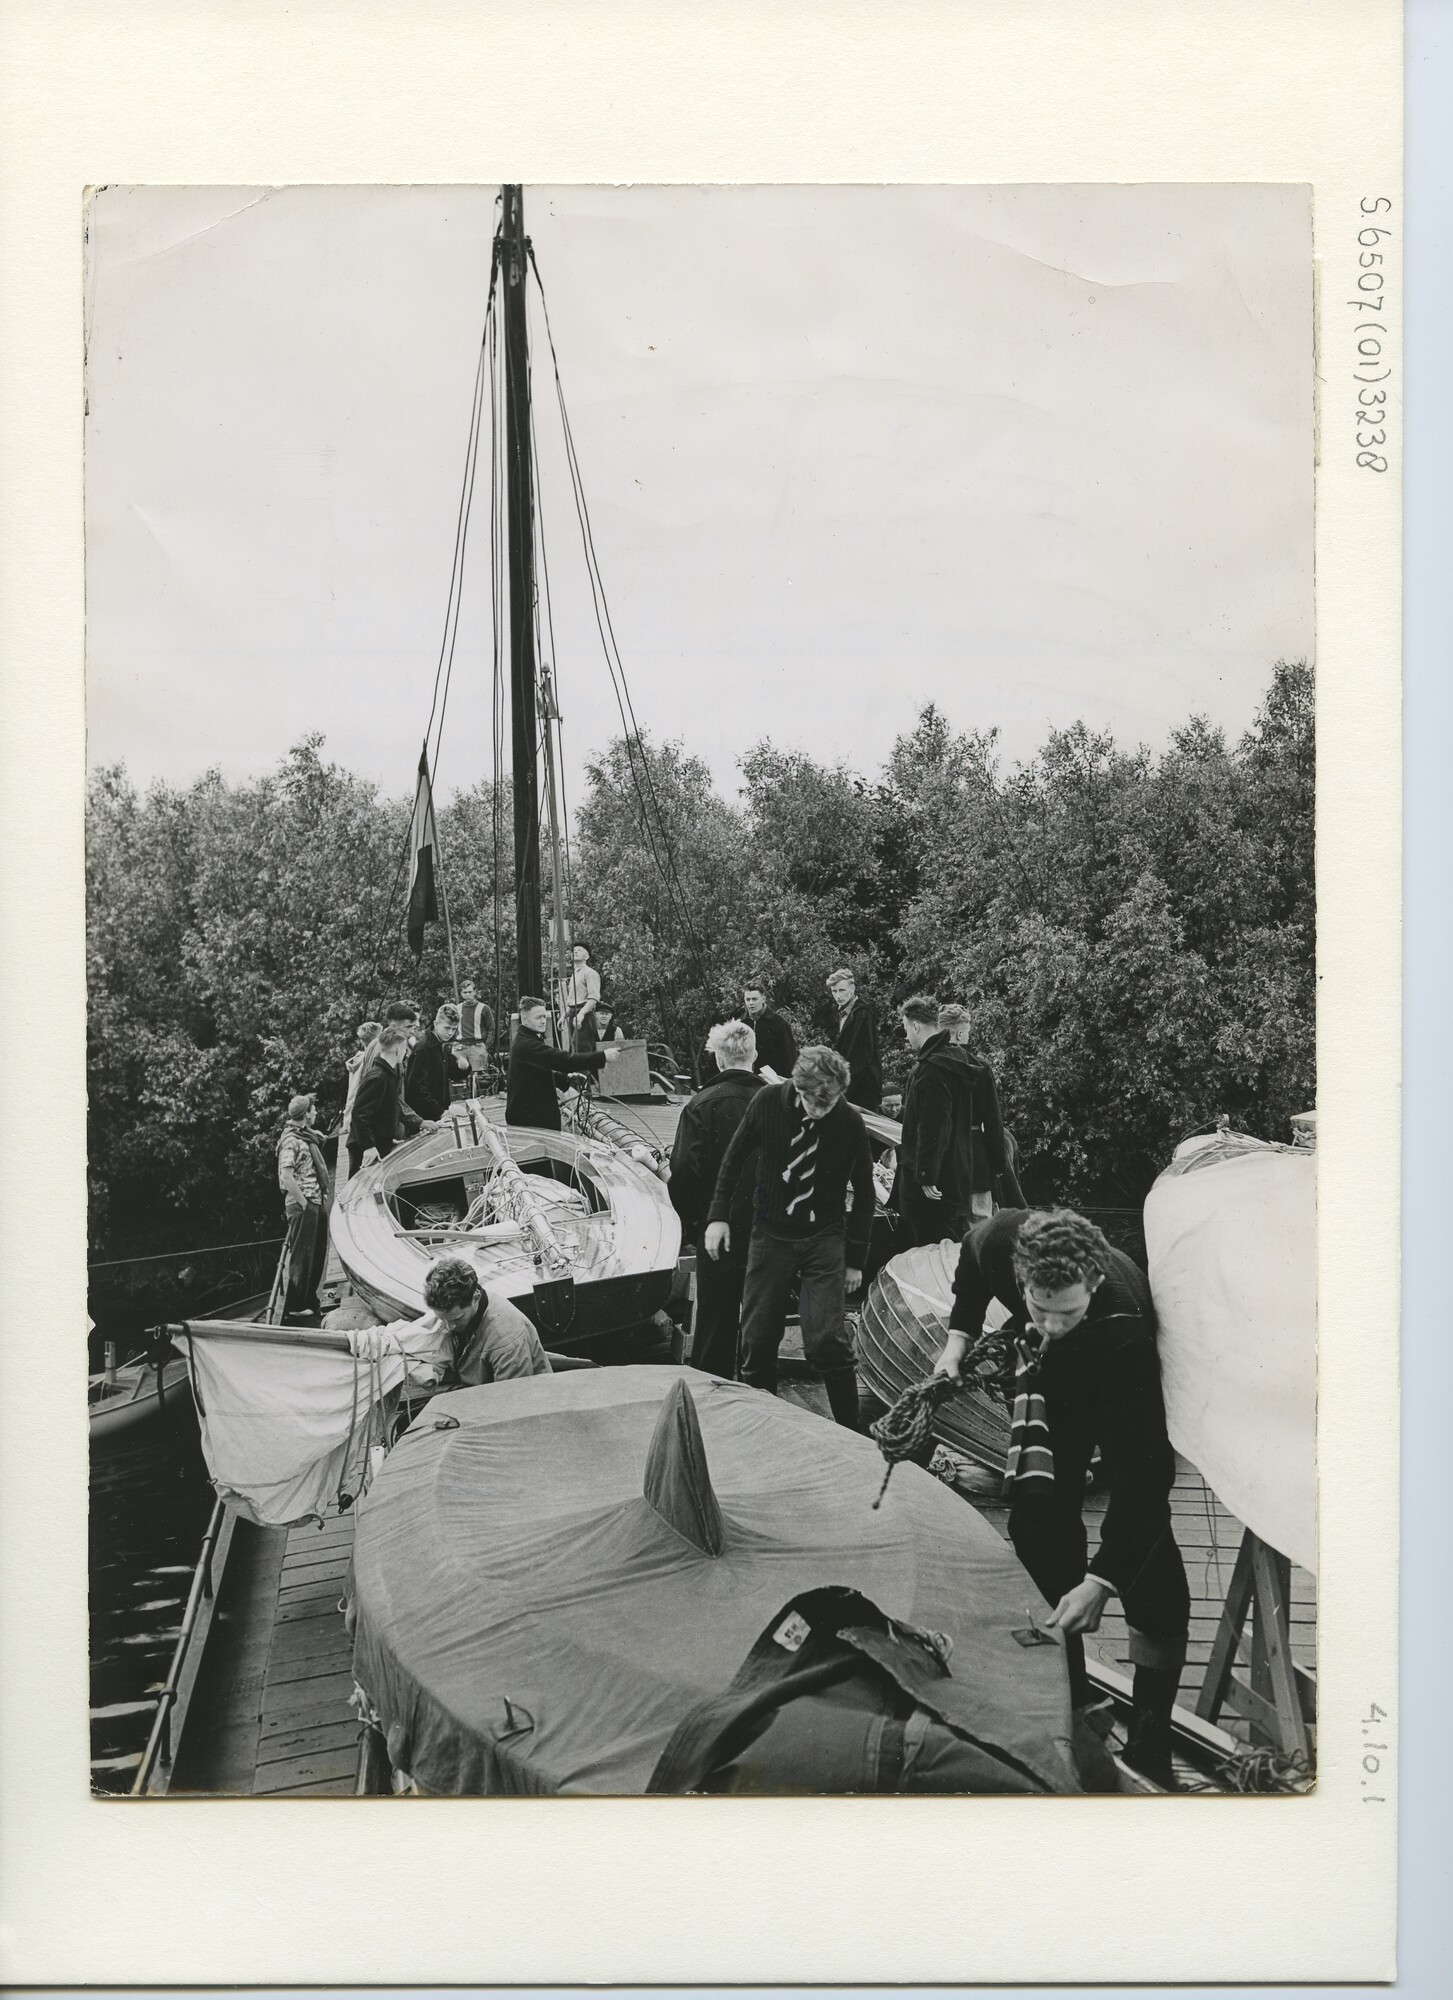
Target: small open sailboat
{"points": [[121, 1400], [576, 1231]]}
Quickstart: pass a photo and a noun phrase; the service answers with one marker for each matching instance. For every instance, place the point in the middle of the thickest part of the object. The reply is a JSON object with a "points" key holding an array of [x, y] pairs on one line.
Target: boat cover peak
{"points": [[678, 1483], [525, 1621]]}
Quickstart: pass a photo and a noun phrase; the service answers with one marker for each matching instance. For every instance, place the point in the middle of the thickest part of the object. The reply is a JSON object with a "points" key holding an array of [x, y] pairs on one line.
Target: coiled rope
{"points": [[904, 1429]]}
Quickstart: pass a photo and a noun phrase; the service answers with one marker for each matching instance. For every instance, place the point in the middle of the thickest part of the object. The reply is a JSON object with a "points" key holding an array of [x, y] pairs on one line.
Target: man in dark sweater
{"points": [[1081, 1346], [432, 1066], [537, 1070], [776, 1043], [857, 1041], [703, 1134], [812, 1147], [952, 1152], [379, 1113]]}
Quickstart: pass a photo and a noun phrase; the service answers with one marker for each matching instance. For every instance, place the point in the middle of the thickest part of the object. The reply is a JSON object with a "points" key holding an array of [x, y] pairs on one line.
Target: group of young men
{"points": [[772, 1177]]}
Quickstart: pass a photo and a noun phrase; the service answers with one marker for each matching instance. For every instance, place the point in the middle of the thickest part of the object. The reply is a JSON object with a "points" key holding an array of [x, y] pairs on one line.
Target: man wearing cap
{"points": [[303, 1179]]}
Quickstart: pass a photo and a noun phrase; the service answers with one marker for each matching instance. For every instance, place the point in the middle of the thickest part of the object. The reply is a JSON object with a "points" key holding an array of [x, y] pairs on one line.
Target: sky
{"points": [[1035, 454]]}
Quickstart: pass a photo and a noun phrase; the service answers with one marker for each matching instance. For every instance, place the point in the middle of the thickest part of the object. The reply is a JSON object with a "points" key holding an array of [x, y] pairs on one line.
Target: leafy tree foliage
{"points": [[1135, 936]]}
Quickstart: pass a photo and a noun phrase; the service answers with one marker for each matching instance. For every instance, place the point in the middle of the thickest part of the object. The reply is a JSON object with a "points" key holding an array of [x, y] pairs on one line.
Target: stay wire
{"points": [[670, 873], [471, 452]]}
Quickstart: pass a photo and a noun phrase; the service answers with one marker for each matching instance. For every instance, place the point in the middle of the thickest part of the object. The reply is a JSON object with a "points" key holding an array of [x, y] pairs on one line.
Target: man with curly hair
{"points": [[812, 1215], [464, 1340], [1085, 1375]]}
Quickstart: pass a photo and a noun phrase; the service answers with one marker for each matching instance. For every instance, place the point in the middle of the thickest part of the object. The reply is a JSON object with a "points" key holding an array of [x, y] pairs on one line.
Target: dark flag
{"points": [[423, 845]]}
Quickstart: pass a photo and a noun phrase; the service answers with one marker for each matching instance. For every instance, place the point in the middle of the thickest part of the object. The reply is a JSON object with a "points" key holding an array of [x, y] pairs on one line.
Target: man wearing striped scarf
{"points": [[1082, 1370], [811, 1218]]}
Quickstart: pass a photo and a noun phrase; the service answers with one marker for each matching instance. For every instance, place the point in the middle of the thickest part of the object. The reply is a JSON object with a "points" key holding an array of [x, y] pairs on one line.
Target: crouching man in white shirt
{"points": [[466, 1338]]}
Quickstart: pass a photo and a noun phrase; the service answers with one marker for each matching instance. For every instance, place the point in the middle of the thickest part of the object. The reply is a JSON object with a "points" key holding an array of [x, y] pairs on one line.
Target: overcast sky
{"points": [[1031, 453]]}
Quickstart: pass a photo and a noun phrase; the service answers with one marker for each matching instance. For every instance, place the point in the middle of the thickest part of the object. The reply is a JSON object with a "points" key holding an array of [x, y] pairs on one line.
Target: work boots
{"points": [[1148, 1738], [841, 1385]]}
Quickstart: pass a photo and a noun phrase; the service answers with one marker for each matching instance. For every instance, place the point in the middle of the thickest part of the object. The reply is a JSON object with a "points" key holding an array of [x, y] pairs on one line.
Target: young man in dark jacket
{"points": [[537, 1070], [706, 1128], [952, 1152], [812, 1147], [1081, 1365], [379, 1113], [776, 1043], [432, 1067], [857, 1041]]}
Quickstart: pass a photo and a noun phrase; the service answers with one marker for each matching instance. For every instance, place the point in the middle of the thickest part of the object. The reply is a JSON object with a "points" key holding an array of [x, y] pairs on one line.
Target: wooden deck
{"points": [[272, 1716]]}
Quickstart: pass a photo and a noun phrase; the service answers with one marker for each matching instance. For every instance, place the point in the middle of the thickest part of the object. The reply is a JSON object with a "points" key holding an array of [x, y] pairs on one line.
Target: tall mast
{"points": [[520, 520]]}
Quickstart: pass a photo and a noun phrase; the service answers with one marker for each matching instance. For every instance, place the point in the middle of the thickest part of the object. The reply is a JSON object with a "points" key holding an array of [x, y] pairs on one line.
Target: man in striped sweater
{"points": [[812, 1155]]}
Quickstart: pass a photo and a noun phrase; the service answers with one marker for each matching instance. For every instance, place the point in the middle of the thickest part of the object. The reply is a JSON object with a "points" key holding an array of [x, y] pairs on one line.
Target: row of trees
{"points": [[1134, 932]]}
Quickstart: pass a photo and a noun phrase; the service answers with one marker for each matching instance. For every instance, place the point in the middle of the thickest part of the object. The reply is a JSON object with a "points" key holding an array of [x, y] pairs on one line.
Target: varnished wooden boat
{"points": [[122, 1399], [576, 1231]]}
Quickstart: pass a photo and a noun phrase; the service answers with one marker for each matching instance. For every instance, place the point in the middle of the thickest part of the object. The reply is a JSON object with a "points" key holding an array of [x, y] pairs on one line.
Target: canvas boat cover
{"points": [[1231, 1228], [902, 1330], [285, 1430], [550, 1575]]}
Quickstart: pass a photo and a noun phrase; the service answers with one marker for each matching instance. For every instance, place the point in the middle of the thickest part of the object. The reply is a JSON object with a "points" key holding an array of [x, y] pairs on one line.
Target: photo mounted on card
{"points": [[702, 949]]}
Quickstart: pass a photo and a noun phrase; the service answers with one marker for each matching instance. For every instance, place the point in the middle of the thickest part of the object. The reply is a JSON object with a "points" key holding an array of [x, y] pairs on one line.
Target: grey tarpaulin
{"points": [[527, 1620]]}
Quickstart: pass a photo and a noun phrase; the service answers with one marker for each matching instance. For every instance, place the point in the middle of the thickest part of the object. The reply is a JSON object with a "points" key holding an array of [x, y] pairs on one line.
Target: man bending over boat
{"points": [[1080, 1345], [464, 1340], [535, 1067], [811, 1146]]}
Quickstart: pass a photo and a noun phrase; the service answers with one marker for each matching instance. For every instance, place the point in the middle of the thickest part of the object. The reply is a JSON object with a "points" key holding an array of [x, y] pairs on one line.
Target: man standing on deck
{"points": [[703, 1134], [476, 1028], [379, 1112], [1080, 1345], [811, 1148], [303, 1179], [857, 1041], [996, 1158], [776, 1043], [530, 1094], [431, 1067], [579, 990], [952, 1150]]}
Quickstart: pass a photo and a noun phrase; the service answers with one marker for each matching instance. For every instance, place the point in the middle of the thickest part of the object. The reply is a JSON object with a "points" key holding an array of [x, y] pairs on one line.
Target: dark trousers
{"points": [[307, 1254], [719, 1282], [819, 1264], [1049, 1538], [924, 1221]]}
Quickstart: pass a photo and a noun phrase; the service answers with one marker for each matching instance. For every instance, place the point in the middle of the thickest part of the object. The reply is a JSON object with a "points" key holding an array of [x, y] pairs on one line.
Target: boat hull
{"points": [[611, 1216], [135, 1402]]}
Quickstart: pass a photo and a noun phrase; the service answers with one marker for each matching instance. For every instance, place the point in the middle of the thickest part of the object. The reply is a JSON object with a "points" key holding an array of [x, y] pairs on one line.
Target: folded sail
{"points": [[1233, 1268]]}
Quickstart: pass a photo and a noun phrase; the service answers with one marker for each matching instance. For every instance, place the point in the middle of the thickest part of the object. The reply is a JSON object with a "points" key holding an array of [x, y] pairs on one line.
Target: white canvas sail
{"points": [[1233, 1248]]}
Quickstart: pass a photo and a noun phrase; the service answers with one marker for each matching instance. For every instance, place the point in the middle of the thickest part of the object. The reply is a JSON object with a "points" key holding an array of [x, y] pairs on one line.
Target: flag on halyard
{"points": [[423, 846]]}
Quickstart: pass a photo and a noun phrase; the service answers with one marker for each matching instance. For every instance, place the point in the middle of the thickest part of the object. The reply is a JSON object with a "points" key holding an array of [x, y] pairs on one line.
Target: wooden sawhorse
{"points": [[1279, 1699]]}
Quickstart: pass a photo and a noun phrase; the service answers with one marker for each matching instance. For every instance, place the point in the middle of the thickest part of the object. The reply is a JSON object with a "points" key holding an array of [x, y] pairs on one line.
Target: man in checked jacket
{"points": [[1087, 1373], [812, 1154]]}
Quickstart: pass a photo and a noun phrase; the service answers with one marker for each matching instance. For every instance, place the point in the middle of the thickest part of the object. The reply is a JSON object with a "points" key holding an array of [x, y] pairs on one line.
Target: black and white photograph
{"points": [[701, 957]]}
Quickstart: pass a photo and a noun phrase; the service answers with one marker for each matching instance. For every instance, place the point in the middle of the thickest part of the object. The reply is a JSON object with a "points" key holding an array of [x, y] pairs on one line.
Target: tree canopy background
{"points": [[1134, 933]]}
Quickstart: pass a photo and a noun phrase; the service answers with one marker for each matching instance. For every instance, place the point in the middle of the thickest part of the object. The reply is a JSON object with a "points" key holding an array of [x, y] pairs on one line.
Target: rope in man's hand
{"points": [[902, 1430]]}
